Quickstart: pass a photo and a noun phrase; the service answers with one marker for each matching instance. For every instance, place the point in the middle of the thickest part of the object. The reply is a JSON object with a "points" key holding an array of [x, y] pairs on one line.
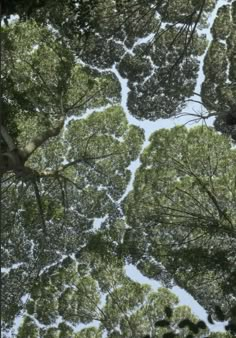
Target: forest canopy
{"points": [[85, 192]]}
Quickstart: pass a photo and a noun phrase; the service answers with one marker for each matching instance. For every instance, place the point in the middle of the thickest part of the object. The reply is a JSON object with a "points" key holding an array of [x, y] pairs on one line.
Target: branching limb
{"points": [[40, 206], [7, 138], [80, 160], [36, 142], [197, 117]]}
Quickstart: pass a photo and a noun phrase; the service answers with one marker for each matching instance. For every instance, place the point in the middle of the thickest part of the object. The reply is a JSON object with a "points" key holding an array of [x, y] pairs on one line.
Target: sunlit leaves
{"points": [[164, 77], [87, 288], [104, 145], [96, 153], [218, 89], [79, 302], [182, 203], [41, 65], [28, 329], [43, 82]]}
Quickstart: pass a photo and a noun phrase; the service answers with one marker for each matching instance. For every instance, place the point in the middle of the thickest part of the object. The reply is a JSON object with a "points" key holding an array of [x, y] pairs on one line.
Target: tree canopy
{"points": [[182, 202], [84, 193]]}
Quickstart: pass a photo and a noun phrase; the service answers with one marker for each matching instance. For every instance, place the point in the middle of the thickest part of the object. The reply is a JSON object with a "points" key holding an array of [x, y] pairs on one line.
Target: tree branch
{"points": [[40, 206], [7, 138], [69, 164], [36, 142]]}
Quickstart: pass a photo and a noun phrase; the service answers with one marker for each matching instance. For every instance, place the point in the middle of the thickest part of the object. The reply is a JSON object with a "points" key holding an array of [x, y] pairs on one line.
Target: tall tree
{"points": [[103, 33], [182, 213], [71, 292], [59, 171], [218, 90], [43, 84]]}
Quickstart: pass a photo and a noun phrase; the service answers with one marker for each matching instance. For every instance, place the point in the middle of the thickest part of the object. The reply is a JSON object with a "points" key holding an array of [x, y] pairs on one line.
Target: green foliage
{"points": [[100, 149], [218, 89], [182, 203], [89, 333], [28, 329], [45, 83], [72, 293], [165, 73], [177, 11]]}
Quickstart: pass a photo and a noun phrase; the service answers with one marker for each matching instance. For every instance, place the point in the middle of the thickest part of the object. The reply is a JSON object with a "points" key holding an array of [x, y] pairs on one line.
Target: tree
{"points": [[70, 293], [102, 34], [218, 90], [181, 213], [53, 87], [163, 67], [58, 174], [67, 15]]}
